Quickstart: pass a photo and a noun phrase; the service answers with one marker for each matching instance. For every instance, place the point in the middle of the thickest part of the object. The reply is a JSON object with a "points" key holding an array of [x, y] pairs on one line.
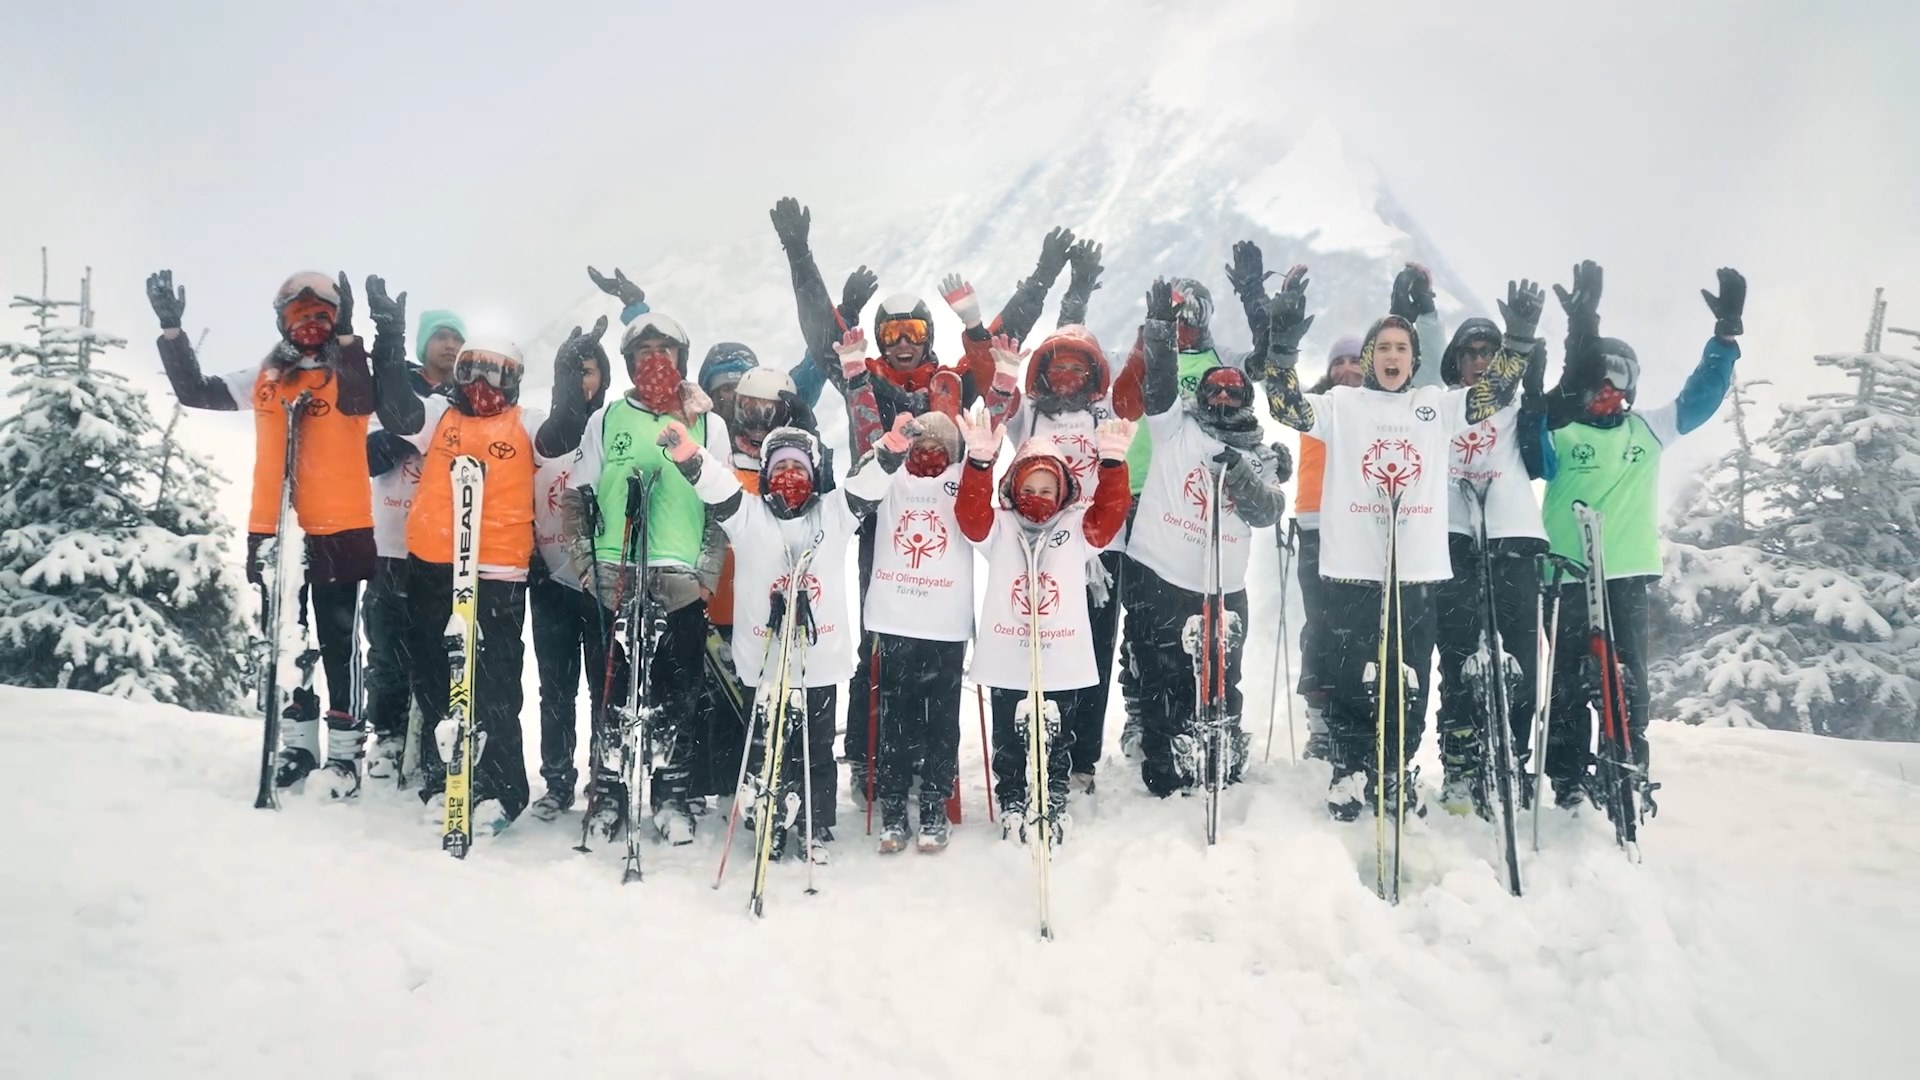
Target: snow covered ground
{"points": [[154, 924]]}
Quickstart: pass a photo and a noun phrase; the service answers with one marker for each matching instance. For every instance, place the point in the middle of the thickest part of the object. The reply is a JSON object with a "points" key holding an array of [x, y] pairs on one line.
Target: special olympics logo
{"points": [[410, 468], [501, 450], [1049, 595], [451, 437], [920, 535], [553, 492], [810, 583], [1079, 452], [1475, 441], [1391, 465], [1583, 453], [1198, 488], [622, 443]]}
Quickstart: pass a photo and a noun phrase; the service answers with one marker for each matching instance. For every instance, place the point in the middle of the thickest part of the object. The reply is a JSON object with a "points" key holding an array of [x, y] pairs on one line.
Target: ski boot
{"points": [[1059, 822], [893, 826], [299, 739], [1346, 796], [1569, 792], [383, 760], [345, 746], [607, 813], [674, 822], [1410, 783], [934, 829], [558, 800], [489, 819], [822, 837], [1464, 792], [1013, 820], [1081, 783]]}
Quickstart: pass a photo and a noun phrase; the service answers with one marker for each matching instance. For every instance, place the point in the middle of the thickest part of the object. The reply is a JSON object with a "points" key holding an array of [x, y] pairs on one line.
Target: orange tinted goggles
{"points": [[892, 333]]}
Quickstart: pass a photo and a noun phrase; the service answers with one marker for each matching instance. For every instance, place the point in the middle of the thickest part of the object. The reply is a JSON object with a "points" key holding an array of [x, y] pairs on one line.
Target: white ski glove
{"points": [[852, 350], [982, 435], [1114, 438], [960, 297]]}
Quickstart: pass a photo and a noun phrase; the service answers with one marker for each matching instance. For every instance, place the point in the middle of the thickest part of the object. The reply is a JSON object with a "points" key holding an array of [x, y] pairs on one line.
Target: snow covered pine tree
{"points": [[113, 561], [1793, 600]]}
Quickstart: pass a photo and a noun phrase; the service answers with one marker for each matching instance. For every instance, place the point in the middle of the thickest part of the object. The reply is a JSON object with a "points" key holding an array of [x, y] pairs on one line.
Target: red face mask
{"points": [[656, 382], [793, 486], [927, 461], [485, 399], [1067, 376], [1607, 401], [1036, 508], [309, 321]]}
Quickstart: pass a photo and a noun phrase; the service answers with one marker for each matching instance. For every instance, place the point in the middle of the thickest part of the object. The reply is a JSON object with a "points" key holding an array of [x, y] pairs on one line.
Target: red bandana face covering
{"points": [[927, 461], [1067, 377], [793, 486], [1036, 508], [310, 322], [656, 383], [484, 399], [1607, 401]]}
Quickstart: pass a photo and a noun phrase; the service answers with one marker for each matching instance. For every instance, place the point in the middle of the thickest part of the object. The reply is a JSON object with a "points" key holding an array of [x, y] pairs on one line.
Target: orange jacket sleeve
{"points": [[1130, 389], [1111, 500], [973, 506]]}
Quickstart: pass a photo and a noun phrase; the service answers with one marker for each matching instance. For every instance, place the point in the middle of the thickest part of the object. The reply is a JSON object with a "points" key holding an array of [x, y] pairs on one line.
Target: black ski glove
{"points": [[167, 303], [1282, 463], [343, 318], [791, 221], [389, 315], [799, 413], [1287, 320], [1085, 257], [1729, 305], [617, 287], [1228, 458], [860, 287], [1533, 382], [1247, 272], [1160, 301], [1521, 309], [570, 361], [1412, 293], [1053, 254], [1582, 305]]}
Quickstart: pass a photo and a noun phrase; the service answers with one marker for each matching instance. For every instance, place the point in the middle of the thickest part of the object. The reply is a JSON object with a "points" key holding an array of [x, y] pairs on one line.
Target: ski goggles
{"points": [[496, 371], [1621, 371], [891, 333], [1480, 349], [1192, 308], [758, 414], [1227, 386], [307, 306]]}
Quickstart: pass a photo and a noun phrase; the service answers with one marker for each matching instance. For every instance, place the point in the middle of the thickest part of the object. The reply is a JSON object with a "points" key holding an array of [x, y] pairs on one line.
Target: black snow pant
{"points": [[569, 637], [1010, 750], [336, 565], [1157, 615], [855, 746], [673, 685], [919, 719], [724, 728], [1353, 642], [816, 748], [501, 615], [1087, 720], [1576, 675], [1458, 606], [384, 609], [1313, 624]]}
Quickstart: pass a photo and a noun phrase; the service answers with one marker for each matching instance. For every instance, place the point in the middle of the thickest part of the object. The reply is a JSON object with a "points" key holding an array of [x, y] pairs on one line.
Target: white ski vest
{"points": [[1489, 453], [1375, 438], [1001, 654], [922, 584], [550, 479], [1170, 529], [392, 499]]}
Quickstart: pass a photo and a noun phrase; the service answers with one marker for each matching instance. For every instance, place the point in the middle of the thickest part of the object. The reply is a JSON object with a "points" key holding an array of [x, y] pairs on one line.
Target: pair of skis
{"points": [[459, 745], [1207, 637], [1392, 622], [1619, 779], [775, 713], [1492, 673], [284, 652], [1037, 720]]}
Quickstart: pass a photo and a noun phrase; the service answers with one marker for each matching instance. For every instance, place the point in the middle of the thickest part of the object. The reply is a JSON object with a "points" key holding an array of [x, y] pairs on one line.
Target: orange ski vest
{"points": [[331, 490], [1313, 469], [502, 444], [720, 608]]}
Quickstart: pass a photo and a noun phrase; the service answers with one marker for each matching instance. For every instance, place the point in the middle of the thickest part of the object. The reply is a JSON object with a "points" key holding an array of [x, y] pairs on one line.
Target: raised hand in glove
{"points": [[343, 318], [1412, 292], [1053, 254], [1728, 307], [1007, 355], [1287, 319], [389, 315], [860, 287], [1521, 309], [1114, 438], [1282, 463], [1582, 305], [677, 442], [982, 435], [1247, 272], [852, 350], [168, 303], [1227, 458], [896, 440], [618, 287], [1085, 258], [1160, 301], [791, 221], [1533, 381], [959, 295], [570, 362]]}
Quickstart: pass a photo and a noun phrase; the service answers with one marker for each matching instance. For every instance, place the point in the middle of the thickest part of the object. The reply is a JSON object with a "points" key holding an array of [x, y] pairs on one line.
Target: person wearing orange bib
{"points": [[318, 354], [479, 417]]}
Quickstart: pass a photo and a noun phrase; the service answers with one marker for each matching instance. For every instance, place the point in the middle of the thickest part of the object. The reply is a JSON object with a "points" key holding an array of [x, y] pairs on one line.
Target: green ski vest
{"points": [[1617, 472], [1140, 451], [677, 519]]}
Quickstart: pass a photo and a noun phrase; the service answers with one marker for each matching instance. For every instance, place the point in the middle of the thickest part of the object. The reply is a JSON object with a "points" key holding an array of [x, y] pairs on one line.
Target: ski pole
{"points": [[986, 754], [1284, 539], [1550, 586], [873, 725]]}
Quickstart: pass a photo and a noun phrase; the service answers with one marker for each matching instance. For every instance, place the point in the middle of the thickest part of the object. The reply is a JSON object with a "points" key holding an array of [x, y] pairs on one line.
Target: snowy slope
{"points": [[154, 924]]}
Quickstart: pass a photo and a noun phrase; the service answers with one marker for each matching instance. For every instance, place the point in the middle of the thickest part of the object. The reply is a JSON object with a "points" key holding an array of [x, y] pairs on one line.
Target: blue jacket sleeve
{"points": [[808, 379], [1535, 446], [1708, 385]]}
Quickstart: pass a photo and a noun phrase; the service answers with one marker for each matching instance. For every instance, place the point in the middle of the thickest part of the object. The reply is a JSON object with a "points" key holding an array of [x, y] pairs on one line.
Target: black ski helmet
{"points": [[903, 306]]}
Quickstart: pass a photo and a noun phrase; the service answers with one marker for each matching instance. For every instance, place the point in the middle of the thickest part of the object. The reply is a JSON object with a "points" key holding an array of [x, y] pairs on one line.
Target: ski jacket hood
{"points": [[1475, 329], [1069, 341], [1043, 452]]}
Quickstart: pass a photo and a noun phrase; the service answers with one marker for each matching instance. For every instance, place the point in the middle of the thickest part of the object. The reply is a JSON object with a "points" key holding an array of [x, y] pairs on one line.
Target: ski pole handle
{"points": [[1563, 569]]}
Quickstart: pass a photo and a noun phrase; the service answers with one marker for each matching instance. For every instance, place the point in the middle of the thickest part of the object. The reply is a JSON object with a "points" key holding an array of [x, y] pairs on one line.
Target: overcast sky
{"points": [[480, 154]]}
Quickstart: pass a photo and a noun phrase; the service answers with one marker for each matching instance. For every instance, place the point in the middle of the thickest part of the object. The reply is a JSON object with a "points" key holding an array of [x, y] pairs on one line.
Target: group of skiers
{"points": [[662, 523]]}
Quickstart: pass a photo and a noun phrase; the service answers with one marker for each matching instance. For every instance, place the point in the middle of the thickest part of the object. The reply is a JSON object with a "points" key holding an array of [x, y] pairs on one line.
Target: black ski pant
{"points": [[919, 719], [1313, 622], [813, 746], [1087, 719], [500, 617], [724, 724], [1458, 606], [855, 747], [336, 565], [1157, 618], [672, 682], [1010, 750], [1353, 642], [384, 610], [1576, 675], [569, 637]]}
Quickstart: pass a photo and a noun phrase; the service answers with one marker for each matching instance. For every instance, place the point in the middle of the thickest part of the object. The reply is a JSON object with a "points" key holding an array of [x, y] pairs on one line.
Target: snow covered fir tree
{"points": [[114, 574], [1793, 570]]}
